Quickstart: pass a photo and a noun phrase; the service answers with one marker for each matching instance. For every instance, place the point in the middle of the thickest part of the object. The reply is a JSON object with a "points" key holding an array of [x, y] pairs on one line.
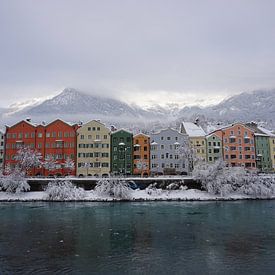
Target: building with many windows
{"points": [[60, 144], [166, 157], [213, 148], [93, 150], [271, 138], [196, 137], [141, 154], [122, 152], [2, 148], [238, 145], [55, 141], [262, 148]]}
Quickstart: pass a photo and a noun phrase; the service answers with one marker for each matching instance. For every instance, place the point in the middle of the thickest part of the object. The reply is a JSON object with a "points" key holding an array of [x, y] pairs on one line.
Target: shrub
{"points": [[14, 182], [116, 188], [64, 191]]}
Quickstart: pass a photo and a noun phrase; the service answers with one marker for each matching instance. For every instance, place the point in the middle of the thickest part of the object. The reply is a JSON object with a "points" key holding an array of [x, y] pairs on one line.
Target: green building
{"points": [[122, 152], [213, 148], [262, 147]]}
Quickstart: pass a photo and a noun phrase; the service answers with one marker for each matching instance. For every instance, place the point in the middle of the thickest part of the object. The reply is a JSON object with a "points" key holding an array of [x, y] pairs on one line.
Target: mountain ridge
{"points": [[73, 104]]}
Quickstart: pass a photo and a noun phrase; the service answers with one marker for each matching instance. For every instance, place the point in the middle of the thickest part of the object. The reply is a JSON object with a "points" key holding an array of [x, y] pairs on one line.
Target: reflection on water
{"points": [[138, 238]]}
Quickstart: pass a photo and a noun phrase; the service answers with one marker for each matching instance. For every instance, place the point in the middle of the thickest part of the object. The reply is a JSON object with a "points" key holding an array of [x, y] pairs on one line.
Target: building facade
{"points": [[272, 150], [196, 137], [213, 148], [60, 145], [238, 145], [2, 148], [165, 153], [121, 152], [21, 134], [141, 154], [56, 141], [93, 150]]}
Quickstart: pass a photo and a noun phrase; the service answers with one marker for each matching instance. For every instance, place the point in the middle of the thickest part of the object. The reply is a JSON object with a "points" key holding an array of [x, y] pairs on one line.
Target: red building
{"points": [[60, 143], [55, 140]]}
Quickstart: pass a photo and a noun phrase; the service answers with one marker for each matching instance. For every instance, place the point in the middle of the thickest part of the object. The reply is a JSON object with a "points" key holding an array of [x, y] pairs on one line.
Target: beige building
{"points": [[196, 137], [93, 149]]}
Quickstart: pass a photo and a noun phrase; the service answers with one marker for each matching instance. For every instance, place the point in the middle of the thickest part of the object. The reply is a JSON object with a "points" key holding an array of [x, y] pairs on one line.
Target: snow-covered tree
{"points": [[115, 187], [27, 158], [50, 163], [187, 154], [220, 179], [69, 165], [14, 181], [64, 191]]}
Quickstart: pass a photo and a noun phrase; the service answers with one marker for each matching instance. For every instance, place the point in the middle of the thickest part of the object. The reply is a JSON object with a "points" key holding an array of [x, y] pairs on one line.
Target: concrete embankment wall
{"points": [[39, 184]]}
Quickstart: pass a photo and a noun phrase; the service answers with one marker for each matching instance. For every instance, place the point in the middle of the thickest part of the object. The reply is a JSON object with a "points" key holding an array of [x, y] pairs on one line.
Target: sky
{"points": [[143, 52]]}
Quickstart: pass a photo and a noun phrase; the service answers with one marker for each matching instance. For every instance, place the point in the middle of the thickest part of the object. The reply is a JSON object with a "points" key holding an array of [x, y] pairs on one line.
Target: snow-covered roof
{"points": [[168, 129], [120, 130], [193, 130], [267, 132], [141, 134]]}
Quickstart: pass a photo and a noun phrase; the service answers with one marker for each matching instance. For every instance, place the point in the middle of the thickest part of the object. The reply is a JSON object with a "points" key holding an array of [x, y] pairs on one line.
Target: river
{"points": [[138, 238]]}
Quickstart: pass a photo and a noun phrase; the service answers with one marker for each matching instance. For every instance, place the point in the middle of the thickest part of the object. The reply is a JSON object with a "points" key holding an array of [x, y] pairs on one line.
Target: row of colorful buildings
{"points": [[99, 151]]}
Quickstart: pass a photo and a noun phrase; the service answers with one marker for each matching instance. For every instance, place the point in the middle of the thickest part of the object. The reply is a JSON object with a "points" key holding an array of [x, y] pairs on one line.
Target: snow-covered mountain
{"points": [[257, 106], [71, 101], [74, 105]]}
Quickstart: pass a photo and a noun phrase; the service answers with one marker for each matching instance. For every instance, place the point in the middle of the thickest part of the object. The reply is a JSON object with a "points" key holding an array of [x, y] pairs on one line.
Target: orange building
{"points": [[56, 140], [238, 145], [141, 155]]}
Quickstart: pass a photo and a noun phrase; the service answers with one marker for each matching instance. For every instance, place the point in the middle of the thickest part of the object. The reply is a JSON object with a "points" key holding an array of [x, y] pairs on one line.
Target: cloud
{"points": [[152, 50]]}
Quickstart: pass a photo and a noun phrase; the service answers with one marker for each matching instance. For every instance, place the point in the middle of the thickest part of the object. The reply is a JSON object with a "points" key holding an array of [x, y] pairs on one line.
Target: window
{"points": [[168, 138], [89, 136], [161, 146], [60, 134], [98, 128], [40, 135], [105, 137], [210, 158], [48, 135], [89, 128], [53, 134], [81, 136]]}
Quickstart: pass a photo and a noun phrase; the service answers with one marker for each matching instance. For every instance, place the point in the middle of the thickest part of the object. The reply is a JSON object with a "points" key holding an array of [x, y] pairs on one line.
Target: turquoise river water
{"points": [[138, 238]]}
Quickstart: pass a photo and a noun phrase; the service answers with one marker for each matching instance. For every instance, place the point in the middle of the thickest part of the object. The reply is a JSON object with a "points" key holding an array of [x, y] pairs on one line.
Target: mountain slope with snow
{"points": [[73, 105]]}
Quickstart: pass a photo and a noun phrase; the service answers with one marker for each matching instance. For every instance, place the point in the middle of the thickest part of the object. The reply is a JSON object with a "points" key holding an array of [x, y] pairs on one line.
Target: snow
{"points": [[136, 195], [193, 130]]}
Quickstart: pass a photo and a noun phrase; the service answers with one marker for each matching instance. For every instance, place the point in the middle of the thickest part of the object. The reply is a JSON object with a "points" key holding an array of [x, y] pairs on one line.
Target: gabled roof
{"points": [[120, 130], [168, 129], [231, 125], [192, 130], [141, 134], [25, 121], [267, 132], [58, 119]]}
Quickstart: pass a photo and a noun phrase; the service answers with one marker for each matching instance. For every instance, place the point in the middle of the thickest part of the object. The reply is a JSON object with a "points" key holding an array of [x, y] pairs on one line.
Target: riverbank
{"points": [[136, 195]]}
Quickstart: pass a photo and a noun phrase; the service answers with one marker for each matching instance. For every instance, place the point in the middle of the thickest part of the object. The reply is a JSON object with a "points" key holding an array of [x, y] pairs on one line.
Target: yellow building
{"points": [[197, 138], [93, 149]]}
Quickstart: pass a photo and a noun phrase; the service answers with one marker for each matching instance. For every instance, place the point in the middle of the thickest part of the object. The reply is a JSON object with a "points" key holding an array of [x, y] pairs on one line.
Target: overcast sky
{"points": [[143, 51]]}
